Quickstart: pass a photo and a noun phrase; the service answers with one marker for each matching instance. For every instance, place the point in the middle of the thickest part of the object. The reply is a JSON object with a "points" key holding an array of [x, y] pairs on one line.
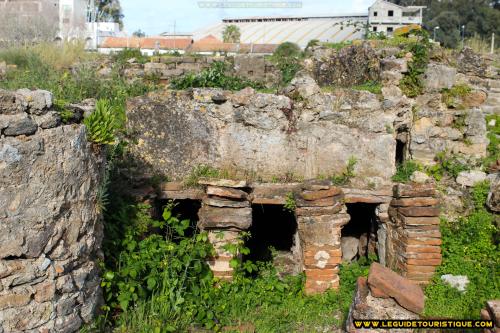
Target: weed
{"points": [[470, 247], [447, 164], [412, 84], [405, 170], [372, 86], [337, 46], [213, 77], [347, 175], [201, 171], [453, 97], [290, 204]]}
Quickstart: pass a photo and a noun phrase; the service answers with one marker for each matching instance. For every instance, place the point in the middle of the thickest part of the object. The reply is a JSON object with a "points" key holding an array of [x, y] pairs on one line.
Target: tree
{"points": [[479, 17], [139, 33], [231, 34], [109, 11]]}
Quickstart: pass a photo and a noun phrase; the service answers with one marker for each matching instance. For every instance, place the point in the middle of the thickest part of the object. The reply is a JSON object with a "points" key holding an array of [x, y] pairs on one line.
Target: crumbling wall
{"points": [[50, 230], [307, 135]]}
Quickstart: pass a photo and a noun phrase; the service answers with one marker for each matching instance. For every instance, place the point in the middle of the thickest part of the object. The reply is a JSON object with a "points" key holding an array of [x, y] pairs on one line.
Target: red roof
{"points": [[164, 43]]}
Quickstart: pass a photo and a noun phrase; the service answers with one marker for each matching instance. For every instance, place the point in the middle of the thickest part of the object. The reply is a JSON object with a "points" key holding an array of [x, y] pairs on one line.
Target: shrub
{"points": [[447, 164], [102, 124], [412, 84], [287, 58], [213, 77], [129, 53], [405, 170], [470, 247], [494, 137]]}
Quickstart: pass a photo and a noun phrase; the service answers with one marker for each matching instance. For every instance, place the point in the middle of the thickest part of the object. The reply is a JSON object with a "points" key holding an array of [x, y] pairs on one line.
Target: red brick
{"points": [[424, 262], [407, 220], [422, 249], [419, 269], [422, 255], [419, 211], [321, 194], [415, 202], [414, 190], [424, 241]]}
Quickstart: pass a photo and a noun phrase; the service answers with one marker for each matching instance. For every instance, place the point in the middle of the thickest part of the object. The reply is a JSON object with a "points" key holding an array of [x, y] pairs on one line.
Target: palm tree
{"points": [[231, 34]]}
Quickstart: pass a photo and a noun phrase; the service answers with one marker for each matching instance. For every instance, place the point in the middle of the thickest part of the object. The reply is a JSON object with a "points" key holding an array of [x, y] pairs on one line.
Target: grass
{"points": [[372, 86], [470, 248], [405, 170], [453, 97]]}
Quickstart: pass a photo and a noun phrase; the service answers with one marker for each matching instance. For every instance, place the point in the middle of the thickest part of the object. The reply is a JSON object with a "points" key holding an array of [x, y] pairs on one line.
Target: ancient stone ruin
{"points": [[50, 230], [307, 171]]}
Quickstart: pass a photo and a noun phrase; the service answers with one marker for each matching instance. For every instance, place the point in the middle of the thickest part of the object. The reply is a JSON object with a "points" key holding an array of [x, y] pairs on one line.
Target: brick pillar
{"points": [[224, 213], [320, 217], [415, 235]]}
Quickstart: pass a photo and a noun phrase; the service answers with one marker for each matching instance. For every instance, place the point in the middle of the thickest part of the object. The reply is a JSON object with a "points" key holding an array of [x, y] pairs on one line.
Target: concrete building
{"points": [[386, 17], [382, 16]]}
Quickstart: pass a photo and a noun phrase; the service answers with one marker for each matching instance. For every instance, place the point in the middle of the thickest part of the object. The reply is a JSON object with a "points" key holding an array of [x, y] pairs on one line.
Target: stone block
{"points": [[439, 76], [316, 211], [419, 211], [320, 233], [321, 194], [414, 190], [223, 182], [405, 292], [225, 203], [23, 126], [226, 192], [223, 217], [324, 202], [416, 221], [415, 202]]}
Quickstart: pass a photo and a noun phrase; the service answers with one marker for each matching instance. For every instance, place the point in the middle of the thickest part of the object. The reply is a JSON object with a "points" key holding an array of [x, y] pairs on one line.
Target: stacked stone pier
{"points": [[414, 231], [321, 214], [225, 212]]}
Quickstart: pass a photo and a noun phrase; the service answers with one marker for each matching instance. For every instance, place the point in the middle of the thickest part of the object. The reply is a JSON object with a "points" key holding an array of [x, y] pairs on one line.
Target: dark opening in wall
{"points": [[400, 152], [274, 227], [359, 236]]}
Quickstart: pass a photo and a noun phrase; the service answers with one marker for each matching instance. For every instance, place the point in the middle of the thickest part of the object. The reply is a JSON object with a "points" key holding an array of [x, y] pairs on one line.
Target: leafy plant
{"points": [[412, 84], [346, 175], [290, 204], [202, 171], [447, 164], [102, 124], [405, 170], [287, 57], [213, 77]]}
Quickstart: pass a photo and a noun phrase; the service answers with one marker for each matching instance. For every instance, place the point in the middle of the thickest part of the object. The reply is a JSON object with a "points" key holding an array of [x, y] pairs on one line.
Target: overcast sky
{"points": [[157, 16]]}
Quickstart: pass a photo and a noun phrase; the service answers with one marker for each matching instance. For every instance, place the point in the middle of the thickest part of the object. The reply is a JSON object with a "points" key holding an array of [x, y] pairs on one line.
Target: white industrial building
{"points": [[382, 16]]}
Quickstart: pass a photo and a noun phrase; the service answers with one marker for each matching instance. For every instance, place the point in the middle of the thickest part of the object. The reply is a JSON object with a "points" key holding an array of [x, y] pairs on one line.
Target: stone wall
{"points": [[251, 67], [50, 230], [413, 236], [308, 134]]}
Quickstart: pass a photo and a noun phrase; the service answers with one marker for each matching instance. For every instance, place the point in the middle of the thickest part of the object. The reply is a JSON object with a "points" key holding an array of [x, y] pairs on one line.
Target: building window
{"points": [[390, 29], [391, 13], [375, 13], [375, 29]]}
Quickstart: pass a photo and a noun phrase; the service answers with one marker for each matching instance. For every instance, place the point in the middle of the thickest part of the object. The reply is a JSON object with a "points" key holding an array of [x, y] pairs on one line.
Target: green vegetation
{"points": [[67, 71], [447, 164], [347, 175], [405, 170], [290, 204], [337, 46], [470, 247], [453, 97], [494, 137], [203, 171], [126, 54], [231, 34], [412, 84], [287, 57], [103, 124], [372, 86], [480, 18], [213, 77]]}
